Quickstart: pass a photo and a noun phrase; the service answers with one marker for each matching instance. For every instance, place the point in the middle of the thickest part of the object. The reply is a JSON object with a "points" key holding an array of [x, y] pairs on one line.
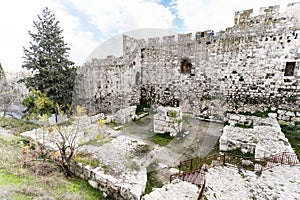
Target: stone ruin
{"points": [[253, 65], [260, 136], [168, 120]]}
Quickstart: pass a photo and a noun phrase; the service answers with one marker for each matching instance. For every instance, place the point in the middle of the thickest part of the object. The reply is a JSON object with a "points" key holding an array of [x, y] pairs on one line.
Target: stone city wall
{"points": [[253, 65]]}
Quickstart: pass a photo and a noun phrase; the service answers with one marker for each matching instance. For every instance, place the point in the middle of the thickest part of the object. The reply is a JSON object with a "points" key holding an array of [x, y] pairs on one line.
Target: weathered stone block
{"points": [[168, 119]]}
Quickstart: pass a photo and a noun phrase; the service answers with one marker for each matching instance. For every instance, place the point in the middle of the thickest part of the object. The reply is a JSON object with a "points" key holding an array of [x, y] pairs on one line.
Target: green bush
{"points": [[172, 113]]}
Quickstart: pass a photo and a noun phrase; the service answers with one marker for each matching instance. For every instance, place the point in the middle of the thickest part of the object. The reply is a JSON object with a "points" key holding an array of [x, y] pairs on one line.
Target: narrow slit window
{"points": [[289, 69], [137, 78]]}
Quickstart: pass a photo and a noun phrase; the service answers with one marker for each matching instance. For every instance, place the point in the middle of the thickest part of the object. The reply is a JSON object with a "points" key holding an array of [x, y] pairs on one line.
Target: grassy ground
{"points": [[162, 139], [152, 180], [17, 126], [37, 179], [52, 186], [293, 135]]}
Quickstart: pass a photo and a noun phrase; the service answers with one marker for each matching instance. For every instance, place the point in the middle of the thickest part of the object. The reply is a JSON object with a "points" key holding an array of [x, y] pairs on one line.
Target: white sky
{"points": [[87, 23]]}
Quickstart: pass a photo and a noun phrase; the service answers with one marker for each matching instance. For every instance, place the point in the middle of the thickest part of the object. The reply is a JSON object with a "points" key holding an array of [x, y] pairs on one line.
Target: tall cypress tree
{"points": [[47, 58]]}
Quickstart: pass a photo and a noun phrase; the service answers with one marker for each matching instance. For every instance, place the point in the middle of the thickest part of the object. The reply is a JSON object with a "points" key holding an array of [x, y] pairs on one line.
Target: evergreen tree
{"points": [[47, 59]]}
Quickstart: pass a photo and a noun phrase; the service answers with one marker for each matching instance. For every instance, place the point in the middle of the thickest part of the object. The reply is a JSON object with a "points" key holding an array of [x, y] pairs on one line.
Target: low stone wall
{"points": [[110, 186], [289, 116], [125, 115], [128, 183]]}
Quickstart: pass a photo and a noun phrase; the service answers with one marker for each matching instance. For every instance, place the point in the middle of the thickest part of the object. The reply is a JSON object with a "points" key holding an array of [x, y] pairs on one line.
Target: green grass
{"points": [[16, 125], [111, 124], [293, 135], [13, 180], [142, 122], [216, 148], [238, 152], [29, 187], [86, 159], [81, 187], [243, 125], [197, 163], [18, 182], [162, 139], [152, 180], [257, 113]]}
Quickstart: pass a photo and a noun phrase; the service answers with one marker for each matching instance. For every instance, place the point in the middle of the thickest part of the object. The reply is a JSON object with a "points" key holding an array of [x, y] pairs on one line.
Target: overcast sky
{"points": [[88, 23]]}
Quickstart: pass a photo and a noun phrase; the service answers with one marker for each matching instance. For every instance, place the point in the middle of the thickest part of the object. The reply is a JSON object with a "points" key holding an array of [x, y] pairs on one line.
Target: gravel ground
{"points": [[280, 182]]}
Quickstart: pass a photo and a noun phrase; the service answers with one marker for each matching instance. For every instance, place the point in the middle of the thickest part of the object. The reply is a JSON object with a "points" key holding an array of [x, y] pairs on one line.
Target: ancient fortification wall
{"points": [[253, 65]]}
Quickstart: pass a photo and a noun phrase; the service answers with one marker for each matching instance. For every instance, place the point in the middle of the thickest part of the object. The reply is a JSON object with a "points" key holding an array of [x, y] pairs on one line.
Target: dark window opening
{"points": [[289, 69], [137, 78], [142, 52], [185, 66]]}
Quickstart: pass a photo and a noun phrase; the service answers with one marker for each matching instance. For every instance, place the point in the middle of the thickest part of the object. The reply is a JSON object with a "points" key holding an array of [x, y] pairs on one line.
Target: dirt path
{"points": [[197, 139]]}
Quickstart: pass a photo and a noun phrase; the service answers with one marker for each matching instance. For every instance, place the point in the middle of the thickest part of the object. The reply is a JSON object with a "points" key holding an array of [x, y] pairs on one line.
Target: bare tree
{"points": [[67, 147]]}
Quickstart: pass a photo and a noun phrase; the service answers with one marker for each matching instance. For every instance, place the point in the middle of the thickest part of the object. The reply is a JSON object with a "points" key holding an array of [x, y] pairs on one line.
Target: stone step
{"points": [[195, 176]]}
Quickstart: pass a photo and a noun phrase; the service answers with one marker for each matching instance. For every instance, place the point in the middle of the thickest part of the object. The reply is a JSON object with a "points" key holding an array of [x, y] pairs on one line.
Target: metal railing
{"points": [[193, 170], [261, 164]]}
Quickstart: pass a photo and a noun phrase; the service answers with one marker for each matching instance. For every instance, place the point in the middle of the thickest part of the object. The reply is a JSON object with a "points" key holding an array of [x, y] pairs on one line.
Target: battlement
{"points": [[269, 10], [242, 16], [245, 17], [245, 23]]}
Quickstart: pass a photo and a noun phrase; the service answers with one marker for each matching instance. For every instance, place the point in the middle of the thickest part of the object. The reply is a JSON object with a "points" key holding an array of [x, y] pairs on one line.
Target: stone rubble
{"points": [[263, 140], [125, 115], [177, 190], [280, 182]]}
